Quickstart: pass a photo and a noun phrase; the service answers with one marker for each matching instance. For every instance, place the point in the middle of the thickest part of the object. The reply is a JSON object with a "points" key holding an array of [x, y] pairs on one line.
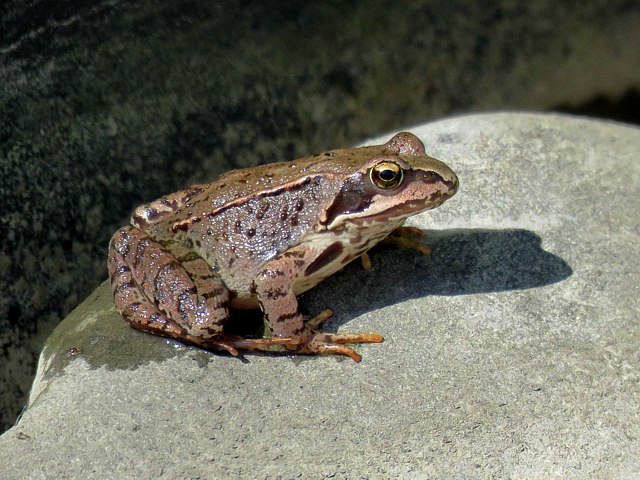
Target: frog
{"points": [[258, 237]]}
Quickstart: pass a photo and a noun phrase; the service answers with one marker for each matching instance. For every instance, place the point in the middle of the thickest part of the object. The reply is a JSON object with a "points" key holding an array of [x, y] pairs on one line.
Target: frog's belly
{"points": [[337, 249]]}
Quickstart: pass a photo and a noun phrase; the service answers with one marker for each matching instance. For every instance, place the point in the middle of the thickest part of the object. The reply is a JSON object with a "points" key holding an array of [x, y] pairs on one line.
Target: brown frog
{"points": [[258, 237]]}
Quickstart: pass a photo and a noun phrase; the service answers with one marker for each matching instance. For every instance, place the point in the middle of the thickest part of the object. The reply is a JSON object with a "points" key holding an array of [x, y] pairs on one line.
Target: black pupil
{"points": [[387, 175]]}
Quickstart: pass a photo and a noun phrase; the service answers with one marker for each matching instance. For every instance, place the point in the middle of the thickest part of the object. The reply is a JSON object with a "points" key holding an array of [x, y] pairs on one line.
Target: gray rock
{"points": [[510, 352], [104, 105]]}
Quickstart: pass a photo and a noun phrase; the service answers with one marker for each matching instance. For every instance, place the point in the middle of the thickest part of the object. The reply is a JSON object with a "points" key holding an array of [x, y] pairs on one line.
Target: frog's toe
{"points": [[333, 349], [366, 261], [332, 343], [353, 338], [220, 344]]}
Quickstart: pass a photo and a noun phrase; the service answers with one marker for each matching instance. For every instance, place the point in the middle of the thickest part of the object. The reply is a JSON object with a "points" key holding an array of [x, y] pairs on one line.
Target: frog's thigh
{"points": [[170, 291]]}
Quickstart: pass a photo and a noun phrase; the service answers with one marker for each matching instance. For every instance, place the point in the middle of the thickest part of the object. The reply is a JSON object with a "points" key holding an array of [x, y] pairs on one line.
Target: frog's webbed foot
{"points": [[408, 237], [320, 343], [332, 343], [405, 237]]}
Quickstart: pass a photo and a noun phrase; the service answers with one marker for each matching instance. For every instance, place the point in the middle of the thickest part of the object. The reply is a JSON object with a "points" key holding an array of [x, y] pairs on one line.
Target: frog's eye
{"points": [[386, 175]]}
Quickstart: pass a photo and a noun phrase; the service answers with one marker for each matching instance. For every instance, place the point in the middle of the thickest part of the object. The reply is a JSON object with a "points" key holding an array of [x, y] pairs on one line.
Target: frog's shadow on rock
{"points": [[462, 262]]}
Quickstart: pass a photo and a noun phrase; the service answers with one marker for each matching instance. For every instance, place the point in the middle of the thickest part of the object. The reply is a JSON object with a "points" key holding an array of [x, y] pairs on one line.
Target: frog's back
{"points": [[247, 217], [239, 238], [234, 185], [242, 186]]}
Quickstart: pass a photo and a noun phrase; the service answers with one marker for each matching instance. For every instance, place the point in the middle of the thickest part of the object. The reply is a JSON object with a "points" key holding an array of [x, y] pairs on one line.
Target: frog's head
{"points": [[398, 181]]}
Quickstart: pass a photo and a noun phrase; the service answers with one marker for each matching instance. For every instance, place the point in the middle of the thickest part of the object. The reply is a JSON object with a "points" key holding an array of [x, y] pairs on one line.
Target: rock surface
{"points": [[510, 352], [106, 104]]}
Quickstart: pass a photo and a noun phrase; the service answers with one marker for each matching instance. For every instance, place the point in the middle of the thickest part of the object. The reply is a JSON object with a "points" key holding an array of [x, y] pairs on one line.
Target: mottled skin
{"points": [[257, 237]]}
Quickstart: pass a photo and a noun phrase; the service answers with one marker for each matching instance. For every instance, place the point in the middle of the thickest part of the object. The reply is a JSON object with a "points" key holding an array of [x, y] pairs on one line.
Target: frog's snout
{"points": [[446, 188], [452, 183], [449, 182]]}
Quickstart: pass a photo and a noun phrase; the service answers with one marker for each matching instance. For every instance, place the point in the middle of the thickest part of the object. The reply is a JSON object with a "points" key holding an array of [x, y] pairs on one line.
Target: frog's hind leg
{"points": [[166, 290]]}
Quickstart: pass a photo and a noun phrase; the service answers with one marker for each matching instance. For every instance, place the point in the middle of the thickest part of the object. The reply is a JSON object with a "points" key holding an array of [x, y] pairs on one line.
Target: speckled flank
{"points": [[256, 229], [354, 241]]}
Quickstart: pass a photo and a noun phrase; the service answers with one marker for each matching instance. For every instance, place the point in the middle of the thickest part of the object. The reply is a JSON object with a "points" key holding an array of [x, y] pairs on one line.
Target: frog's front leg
{"points": [[274, 288], [408, 237], [405, 237]]}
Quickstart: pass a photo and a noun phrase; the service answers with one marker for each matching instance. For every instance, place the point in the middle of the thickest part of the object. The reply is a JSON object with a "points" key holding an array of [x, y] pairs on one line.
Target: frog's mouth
{"points": [[439, 190], [421, 191], [374, 213], [407, 208]]}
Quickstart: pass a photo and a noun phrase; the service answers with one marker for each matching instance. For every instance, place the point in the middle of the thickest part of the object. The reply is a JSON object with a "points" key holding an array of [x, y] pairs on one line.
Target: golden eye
{"points": [[386, 175]]}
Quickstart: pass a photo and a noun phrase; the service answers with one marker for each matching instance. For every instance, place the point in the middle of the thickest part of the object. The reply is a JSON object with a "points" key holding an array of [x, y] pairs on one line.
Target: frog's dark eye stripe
{"points": [[386, 175]]}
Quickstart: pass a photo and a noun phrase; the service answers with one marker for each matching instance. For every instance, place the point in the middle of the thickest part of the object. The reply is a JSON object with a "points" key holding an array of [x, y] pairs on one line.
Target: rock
{"points": [[510, 352], [108, 104]]}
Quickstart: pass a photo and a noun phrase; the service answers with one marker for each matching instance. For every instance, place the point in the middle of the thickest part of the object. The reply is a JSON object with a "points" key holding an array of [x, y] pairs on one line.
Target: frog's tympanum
{"points": [[257, 237]]}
